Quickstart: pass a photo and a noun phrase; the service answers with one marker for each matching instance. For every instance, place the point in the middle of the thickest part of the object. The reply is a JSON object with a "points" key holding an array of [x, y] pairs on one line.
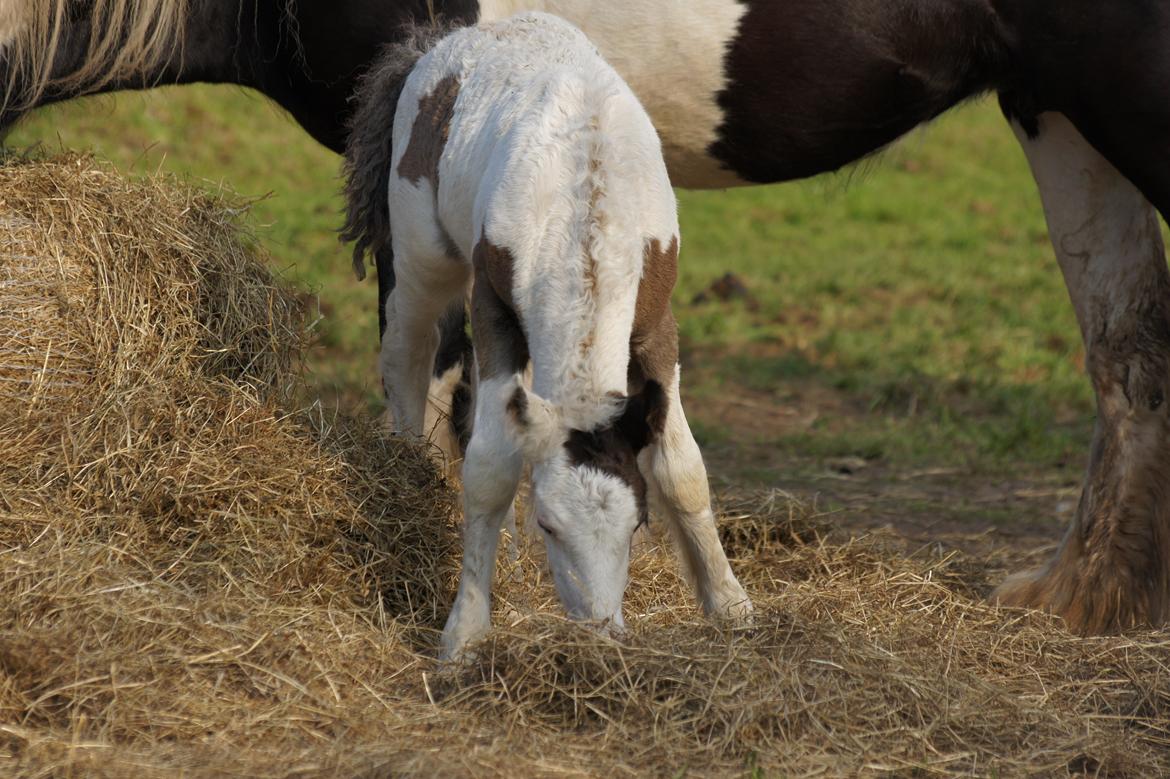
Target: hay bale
{"points": [[108, 282], [196, 581]]}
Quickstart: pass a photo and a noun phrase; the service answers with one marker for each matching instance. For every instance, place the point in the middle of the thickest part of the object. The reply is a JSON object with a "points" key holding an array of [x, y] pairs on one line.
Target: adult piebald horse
{"points": [[769, 90]]}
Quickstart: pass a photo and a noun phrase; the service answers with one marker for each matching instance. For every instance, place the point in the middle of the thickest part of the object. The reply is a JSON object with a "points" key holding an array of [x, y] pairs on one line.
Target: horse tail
{"points": [[370, 145]]}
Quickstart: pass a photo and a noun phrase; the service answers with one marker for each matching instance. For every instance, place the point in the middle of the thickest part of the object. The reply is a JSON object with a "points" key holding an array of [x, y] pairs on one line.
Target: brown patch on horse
{"points": [[1112, 572], [428, 134], [654, 338], [500, 346]]}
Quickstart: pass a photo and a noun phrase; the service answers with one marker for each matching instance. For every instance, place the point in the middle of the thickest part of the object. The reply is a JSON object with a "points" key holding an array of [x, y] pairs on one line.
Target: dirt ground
{"points": [[1011, 521]]}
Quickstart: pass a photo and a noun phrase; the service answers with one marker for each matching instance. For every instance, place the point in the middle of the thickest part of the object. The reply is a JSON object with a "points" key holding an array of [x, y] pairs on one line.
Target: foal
{"points": [[520, 160]]}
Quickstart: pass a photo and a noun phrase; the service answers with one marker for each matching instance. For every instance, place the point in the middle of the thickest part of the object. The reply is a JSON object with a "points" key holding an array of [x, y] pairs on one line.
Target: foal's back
{"points": [[522, 97]]}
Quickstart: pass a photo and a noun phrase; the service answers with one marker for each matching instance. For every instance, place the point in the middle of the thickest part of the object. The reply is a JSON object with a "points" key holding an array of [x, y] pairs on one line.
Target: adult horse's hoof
{"points": [[1035, 589], [1090, 599]]}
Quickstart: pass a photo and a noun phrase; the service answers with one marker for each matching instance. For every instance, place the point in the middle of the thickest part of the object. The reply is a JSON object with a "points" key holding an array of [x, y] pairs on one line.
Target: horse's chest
{"points": [[672, 53]]}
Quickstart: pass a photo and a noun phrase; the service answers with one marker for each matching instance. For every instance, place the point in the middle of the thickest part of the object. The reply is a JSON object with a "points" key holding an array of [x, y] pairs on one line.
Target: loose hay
{"points": [[195, 581]]}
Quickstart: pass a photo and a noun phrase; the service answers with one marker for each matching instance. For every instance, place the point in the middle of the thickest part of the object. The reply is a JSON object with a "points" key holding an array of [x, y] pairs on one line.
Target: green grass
{"points": [[921, 286], [226, 136], [918, 289]]}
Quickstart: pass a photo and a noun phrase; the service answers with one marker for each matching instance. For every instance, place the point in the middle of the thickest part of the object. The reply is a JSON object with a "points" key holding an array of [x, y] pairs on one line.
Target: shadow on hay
{"points": [[408, 539]]}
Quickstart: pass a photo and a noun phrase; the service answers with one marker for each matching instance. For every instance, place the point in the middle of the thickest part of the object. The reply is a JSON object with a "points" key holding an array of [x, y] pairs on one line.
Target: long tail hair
{"points": [[370, 145], [126, 38]]}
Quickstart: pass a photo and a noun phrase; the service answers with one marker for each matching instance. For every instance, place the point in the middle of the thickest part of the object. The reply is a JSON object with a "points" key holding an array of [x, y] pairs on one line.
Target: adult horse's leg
{"points": [[1112, 571]]}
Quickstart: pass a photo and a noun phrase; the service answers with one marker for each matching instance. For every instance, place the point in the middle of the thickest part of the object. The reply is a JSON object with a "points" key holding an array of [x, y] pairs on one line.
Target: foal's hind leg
{"points": [[1112, 571], [677, 480], [427, 278], [448, 416]]}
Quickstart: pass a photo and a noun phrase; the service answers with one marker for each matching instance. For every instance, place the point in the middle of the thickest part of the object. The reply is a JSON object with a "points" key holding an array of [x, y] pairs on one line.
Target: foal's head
{"points": [[589, 494]]}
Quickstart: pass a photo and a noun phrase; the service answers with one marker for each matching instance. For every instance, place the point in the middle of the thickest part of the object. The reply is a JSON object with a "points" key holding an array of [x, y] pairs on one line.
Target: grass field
{"points": [[903, 315]]}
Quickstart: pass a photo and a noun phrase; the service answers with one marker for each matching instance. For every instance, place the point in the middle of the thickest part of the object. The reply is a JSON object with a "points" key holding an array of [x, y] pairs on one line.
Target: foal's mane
{"points": [[126, 38], [370, 145]]}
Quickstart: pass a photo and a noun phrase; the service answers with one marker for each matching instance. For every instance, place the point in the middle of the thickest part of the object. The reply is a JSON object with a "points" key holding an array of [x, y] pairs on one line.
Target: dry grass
{"points": [[194, 581]]}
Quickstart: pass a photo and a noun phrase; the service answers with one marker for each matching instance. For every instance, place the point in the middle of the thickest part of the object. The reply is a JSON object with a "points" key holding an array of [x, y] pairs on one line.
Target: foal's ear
{"points": [[644, 419], [534, 422]]}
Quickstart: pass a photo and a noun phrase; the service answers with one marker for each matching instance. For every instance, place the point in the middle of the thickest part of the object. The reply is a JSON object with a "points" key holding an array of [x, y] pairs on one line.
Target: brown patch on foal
{"points": [[500, 346], [428, 134], [654, 338], [659, 274]]}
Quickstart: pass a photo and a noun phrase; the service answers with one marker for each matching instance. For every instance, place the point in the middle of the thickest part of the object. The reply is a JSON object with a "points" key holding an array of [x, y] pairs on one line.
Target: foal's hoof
{"points": [[735, 608], [459, 639], [742, 612], [456, 653]]}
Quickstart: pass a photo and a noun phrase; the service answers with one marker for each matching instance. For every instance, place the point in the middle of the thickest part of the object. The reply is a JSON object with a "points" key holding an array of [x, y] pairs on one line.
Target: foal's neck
{"points": [[580, 345]]}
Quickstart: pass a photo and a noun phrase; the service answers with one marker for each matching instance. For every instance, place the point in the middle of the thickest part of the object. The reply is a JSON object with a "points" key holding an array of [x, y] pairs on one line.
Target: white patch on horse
{"points": [[673, 56], [1101, 226]]}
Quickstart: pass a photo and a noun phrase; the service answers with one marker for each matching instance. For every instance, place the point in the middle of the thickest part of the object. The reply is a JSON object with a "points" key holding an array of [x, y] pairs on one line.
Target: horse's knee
{"points": [[491, 471], [678, 472]]}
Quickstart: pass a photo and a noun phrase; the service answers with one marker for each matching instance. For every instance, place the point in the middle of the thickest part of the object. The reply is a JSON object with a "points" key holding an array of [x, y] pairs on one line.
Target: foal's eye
{"points": [[540, 524]]}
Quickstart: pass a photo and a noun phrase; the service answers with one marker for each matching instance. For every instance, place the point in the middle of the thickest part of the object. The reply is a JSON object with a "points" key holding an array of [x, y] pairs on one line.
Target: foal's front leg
{"points": [[677, 478], [491, 473], [491, 466]]}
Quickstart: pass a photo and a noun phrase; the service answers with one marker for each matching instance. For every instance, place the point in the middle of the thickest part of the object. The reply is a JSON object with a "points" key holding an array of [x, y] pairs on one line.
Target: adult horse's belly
{"points": [[672, 53], [771, 90]]}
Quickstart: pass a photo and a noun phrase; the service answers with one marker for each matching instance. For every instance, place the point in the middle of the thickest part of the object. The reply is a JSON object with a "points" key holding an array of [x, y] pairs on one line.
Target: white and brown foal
{"points": [[522, 165]]}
